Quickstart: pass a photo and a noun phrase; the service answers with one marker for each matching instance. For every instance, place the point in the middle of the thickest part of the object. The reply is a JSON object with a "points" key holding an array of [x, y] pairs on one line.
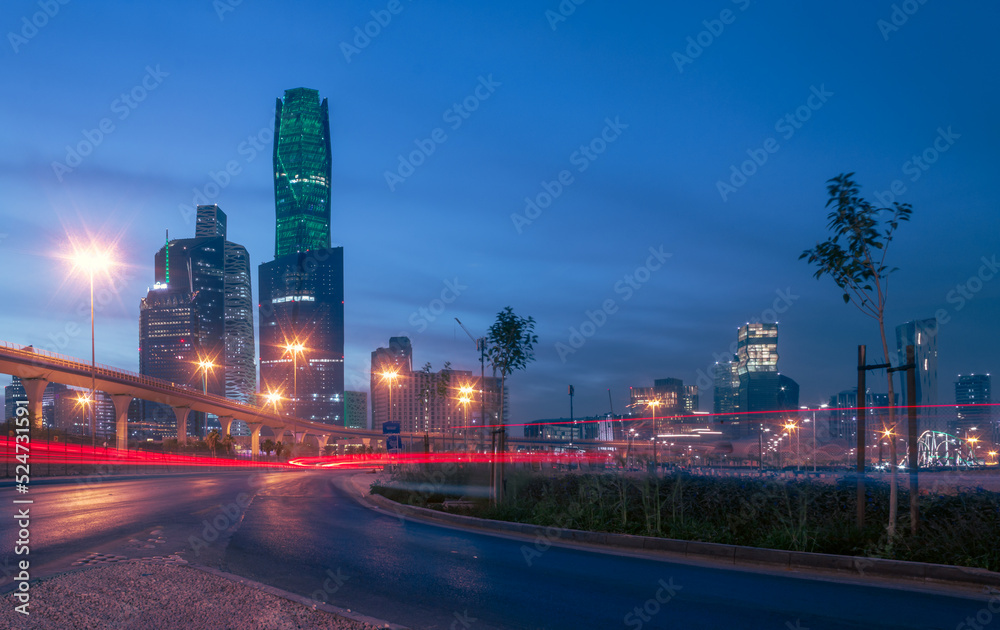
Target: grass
{"points": [[960, 529]]}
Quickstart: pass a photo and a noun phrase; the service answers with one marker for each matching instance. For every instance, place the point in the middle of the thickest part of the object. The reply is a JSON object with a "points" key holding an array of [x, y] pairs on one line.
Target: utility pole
{"points": [[860, 455], [571, 420], [911, 413]]}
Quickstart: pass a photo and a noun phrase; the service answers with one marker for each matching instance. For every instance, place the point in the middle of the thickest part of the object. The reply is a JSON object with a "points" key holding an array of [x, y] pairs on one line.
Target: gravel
{"points": [[152, 595]]}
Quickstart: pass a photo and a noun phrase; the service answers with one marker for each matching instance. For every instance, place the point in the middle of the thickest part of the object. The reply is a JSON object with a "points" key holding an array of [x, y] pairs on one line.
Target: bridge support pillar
{"points": [[322, 441], [182, 424], [35, 389], [122, 402], [226, 422], [255, 441]]}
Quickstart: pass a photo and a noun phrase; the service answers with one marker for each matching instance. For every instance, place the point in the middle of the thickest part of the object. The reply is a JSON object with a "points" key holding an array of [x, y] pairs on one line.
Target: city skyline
{"points": [[454, 237]]}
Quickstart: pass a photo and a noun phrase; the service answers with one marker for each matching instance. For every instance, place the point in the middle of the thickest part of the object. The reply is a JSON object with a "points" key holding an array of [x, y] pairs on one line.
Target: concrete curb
{"points": [[299, 599], [729, 554]]}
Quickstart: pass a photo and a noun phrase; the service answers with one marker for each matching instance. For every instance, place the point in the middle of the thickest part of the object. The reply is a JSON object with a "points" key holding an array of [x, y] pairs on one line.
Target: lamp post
{"points": [[273, 398], [465, 399], [390, 376], [296, 349], [91, 261], [972, 448], [790, 427], [656, 429]]}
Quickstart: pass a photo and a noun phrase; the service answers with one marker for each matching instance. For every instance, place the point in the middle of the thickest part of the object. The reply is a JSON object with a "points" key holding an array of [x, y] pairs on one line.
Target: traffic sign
{"points": [[390, 427], [394, 442]]}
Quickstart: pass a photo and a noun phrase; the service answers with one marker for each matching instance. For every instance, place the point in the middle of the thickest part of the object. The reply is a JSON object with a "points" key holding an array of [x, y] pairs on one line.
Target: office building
{"points": [[301, 292], [356, 410], [429, 402], [922, 335], [972, 397], [11, 395]]}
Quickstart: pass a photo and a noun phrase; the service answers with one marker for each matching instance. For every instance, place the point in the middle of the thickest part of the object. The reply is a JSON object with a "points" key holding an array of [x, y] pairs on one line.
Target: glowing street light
{"points": [[390, 376], [656, 428], [90, 261], [296, 349], [972, 448], [205, 365]]}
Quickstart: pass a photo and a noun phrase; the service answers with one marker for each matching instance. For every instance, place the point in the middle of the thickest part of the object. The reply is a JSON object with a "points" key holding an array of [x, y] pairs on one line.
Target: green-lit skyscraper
{"points": [[302, 290], [301, 172]]}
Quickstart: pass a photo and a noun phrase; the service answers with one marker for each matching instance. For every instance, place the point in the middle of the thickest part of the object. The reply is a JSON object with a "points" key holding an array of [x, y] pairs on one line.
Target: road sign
{"points": [[390, 428], [394, 442]]}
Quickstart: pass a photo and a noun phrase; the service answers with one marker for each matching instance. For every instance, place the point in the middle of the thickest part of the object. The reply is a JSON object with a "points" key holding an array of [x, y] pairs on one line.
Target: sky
{"points": [[638, 177]]}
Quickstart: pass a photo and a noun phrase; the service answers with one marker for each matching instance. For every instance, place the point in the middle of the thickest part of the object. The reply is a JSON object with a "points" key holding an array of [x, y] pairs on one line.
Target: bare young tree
{"points": [[854, 256]]}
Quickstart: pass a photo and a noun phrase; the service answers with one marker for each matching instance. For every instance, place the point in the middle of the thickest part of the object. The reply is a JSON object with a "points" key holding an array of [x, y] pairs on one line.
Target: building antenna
{"points": [[611, 404]]}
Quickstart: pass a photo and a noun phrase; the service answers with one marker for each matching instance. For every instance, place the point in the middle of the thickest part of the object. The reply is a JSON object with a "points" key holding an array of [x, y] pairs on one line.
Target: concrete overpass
{"points": [[37, 368]]}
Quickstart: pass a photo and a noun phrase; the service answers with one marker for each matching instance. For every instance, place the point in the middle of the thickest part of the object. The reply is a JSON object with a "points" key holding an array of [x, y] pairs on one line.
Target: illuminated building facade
{"points": [[922, 335], [301, 292]]}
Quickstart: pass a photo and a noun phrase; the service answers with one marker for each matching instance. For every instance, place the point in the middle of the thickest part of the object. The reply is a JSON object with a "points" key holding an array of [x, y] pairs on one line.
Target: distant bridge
{"points": [[37, 368]]}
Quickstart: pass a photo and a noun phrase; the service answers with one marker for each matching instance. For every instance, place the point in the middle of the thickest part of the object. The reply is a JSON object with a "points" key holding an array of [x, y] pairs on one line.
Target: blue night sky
{"points": [[864, 96]]}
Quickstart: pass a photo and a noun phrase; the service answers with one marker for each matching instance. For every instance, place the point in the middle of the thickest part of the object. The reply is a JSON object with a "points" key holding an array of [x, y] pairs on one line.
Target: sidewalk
{"points": [[156, 595]]}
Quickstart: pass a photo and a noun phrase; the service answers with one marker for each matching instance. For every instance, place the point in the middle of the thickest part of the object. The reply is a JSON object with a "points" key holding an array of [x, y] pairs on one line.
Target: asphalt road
{"points": [[304, 533]]}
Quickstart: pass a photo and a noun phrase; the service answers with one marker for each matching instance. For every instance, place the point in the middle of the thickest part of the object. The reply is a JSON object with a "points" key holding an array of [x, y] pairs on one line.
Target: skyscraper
{"points": [[302, 289], [757, 367], [200, 308], [302, 171], [972, 394], [356, 410], [922, 335]]}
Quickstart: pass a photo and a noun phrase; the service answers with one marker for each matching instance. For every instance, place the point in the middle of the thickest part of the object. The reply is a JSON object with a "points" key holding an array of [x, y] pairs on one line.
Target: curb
{"points": [[299, 599], [736, 555]]}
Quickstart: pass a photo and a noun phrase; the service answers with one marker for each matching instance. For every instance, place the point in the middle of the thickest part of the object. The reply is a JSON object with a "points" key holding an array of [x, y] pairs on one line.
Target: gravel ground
{"points": [[153, 595]]}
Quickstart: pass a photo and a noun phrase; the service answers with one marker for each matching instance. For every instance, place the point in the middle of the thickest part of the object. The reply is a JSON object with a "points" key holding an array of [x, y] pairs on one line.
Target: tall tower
{"points": [[922, 335], [757, 367], [972, 395], [302, 290], [301, 172], [200, 308]]}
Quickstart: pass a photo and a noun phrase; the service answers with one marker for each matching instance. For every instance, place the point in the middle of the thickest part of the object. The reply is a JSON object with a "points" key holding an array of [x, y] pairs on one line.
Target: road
{"points": [[303, 532]]}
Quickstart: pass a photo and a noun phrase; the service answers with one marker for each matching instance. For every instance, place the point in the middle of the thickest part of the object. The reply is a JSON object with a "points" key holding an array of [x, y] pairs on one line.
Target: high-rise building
{"points": [[302, 172], [843, 412], [972, 397], [200, 308], [416, 402], [922, 335], [725, 398], [11, 395], [302, 290], [356, 410], [757, 367]]}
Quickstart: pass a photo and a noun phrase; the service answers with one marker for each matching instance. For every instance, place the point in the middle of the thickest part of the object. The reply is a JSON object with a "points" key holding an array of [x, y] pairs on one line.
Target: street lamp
{"points": [[656, 429], [791, 426], [205, 365], [465, 399], [390, 376], [296, 349], [90, 261], [972, 448]]}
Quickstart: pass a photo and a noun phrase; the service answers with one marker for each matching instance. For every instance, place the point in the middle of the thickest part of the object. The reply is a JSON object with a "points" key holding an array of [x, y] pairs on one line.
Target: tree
{"points": [[279, 448], [510, 347], [227, 443], [435, 385], [212, 439], [267, 447], [854, 256]]}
